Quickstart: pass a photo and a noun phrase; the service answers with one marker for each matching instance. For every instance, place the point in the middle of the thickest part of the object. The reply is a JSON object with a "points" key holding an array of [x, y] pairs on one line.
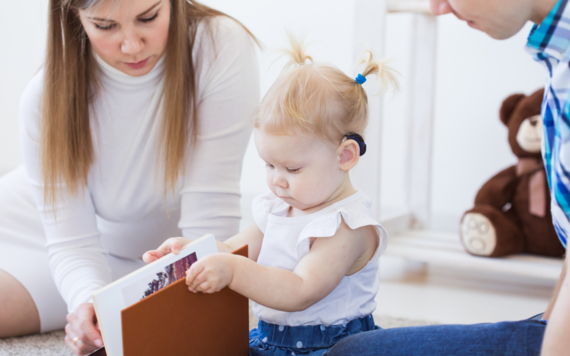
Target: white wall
{"points": [[22, 43], [474, 75]]}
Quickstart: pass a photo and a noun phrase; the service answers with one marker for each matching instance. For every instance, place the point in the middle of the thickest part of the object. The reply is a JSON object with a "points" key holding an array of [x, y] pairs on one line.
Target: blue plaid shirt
{"points": [[549, 44]]}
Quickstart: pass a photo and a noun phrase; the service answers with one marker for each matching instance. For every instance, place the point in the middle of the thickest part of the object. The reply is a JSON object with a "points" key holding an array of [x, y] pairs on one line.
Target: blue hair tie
{"points": [[360, 79], [356, 137]]}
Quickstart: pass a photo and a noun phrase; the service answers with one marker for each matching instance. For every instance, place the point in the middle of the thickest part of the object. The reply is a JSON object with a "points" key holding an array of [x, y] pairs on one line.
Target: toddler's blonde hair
{"points": [[319, 99]]}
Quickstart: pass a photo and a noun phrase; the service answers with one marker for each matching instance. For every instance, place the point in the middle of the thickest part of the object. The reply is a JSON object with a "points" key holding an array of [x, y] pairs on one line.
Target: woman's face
{"points": [[129, 35]]}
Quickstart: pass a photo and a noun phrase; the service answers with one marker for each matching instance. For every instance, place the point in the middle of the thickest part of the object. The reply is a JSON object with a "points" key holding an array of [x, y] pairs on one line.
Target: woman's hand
{"points": [[211, 273], [82, 333], [173, 244]]}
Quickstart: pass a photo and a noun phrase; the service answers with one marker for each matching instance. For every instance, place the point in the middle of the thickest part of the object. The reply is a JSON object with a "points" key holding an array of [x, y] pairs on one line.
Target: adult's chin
{"points": [[502, 33], [137, 72]]}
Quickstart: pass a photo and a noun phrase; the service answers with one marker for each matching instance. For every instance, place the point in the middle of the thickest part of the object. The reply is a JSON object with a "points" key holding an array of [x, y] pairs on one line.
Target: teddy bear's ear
{"points": [[509, 106]]}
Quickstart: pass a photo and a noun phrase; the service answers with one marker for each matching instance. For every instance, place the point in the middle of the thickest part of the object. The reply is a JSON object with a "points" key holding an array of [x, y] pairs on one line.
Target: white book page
{"points": [[124, 292]]}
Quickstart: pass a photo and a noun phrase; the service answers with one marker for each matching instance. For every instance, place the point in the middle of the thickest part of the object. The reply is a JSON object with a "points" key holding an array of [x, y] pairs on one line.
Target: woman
{"points": [[134, 131]]}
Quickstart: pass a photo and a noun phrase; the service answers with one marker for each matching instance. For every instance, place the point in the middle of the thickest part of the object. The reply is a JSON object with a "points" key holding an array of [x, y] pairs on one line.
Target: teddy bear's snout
{"points": [[529, 136]]}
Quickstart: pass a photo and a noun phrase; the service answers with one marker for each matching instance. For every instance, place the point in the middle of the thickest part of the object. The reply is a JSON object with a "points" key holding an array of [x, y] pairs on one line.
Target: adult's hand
{"points": [[82, 327], [173, 244]]}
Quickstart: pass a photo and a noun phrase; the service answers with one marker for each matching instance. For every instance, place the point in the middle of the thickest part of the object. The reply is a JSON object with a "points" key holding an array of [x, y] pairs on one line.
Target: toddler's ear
{"points": [[349, 154]]}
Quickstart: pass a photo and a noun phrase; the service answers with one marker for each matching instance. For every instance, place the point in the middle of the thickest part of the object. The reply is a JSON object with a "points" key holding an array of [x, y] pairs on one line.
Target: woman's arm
{"points": [[312, 280], [556, 340], [228, 92], [77, 258]]}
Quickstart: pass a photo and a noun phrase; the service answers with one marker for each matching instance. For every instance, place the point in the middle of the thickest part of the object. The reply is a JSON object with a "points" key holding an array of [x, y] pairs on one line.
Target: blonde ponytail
{"points": [[297, 51], [381, 68]]}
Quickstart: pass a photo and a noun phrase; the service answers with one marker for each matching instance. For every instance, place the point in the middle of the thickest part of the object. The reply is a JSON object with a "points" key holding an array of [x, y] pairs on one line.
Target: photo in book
{"points": [[154, 282]]}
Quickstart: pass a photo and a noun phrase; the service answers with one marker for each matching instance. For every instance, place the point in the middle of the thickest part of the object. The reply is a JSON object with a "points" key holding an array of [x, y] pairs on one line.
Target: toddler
{"points": [[314, 246]]}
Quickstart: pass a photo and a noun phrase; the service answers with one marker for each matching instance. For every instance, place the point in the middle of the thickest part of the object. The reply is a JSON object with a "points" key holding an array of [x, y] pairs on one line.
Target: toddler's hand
{"points": [[173, 244], [210, 274]]}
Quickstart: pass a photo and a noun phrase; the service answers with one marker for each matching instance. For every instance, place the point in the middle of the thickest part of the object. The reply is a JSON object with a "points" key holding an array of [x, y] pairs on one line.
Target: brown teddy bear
{"points": [[512, 210]]}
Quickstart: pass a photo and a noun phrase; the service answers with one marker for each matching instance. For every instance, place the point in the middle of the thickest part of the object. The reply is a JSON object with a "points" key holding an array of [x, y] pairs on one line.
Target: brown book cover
{"points": [[175, 321]]}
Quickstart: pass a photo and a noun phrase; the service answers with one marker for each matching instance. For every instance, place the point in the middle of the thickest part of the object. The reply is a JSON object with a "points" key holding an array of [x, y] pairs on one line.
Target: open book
{"points": [[113, 298]]}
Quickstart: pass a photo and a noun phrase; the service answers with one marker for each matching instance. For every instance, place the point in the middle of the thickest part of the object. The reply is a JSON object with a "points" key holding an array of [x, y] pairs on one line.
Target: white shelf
{"points": [[444, 249]]}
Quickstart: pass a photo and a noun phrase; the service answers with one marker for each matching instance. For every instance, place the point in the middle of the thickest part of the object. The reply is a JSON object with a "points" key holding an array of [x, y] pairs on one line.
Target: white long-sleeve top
{"points": [[122, 210]]}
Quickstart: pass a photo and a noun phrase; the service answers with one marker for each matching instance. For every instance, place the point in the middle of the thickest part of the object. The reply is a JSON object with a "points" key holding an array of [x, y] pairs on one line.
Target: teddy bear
{"points": [[512, 209]]}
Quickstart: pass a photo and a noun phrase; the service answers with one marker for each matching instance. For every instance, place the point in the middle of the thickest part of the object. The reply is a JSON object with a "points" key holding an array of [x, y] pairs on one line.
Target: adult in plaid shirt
{"points": [[548, 334]]}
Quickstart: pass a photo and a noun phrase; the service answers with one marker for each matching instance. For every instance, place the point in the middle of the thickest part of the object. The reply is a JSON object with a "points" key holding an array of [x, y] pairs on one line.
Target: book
{"points": [[142, 284], [99, 352], [175, 321]]}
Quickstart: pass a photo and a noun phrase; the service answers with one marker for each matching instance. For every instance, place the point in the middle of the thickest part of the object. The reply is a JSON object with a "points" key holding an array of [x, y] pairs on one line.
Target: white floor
{"points": [[421, 292]]}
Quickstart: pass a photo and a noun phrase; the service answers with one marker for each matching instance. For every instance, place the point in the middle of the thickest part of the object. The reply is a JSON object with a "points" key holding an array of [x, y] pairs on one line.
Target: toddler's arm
{"points": [[316, 275], [251, 236]]}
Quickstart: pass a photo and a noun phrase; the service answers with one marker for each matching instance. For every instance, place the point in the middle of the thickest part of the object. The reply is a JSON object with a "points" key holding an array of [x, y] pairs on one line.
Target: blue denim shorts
{"points": [[314, 340]]}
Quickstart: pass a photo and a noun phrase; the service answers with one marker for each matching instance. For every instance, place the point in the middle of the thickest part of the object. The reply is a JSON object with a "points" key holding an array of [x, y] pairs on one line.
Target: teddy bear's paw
{"points": [[478, 234]]}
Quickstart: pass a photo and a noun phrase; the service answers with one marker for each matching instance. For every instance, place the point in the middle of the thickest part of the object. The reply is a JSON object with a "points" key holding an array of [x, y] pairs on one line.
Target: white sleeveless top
{"points": [[287, 241]]}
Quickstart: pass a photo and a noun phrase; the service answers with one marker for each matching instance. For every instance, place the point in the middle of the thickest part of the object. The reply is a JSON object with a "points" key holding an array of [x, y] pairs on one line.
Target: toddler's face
{"points": [[302, 170]]}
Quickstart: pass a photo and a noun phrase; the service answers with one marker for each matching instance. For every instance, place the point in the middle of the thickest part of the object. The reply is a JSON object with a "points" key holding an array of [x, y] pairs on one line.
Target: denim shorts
{"points": [[314, 340]]}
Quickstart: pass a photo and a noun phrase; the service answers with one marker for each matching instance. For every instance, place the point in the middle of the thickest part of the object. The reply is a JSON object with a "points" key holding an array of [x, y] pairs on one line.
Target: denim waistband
{"points": [[311, 336]]}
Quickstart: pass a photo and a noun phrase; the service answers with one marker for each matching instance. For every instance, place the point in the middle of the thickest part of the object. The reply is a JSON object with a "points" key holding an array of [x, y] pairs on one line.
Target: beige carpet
{"points": [[51, 344]]}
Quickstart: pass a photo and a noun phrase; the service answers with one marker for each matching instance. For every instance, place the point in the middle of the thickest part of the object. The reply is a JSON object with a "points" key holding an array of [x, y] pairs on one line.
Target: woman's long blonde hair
{"points": [[319, 99], [71, 82]]}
